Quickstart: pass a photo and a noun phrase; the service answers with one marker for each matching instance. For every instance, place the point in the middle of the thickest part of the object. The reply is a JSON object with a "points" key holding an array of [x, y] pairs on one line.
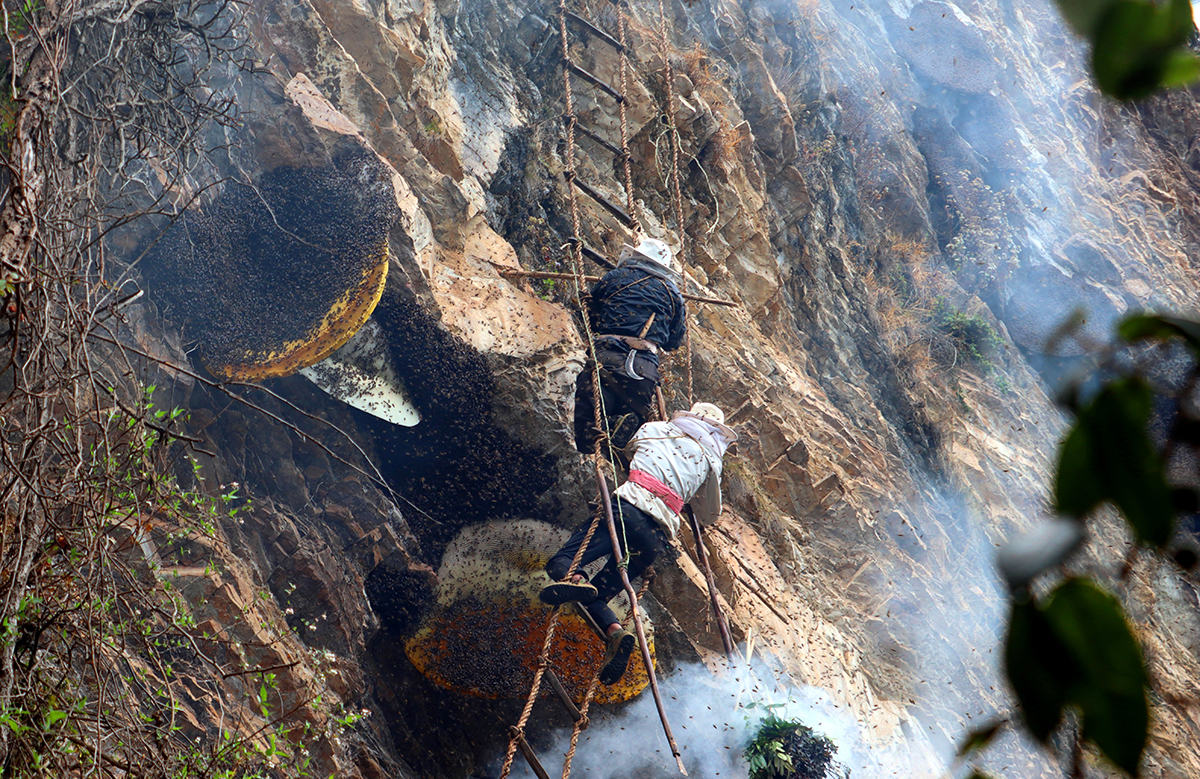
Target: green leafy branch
{"points": [[1138, 46], [1071, 649], [787, 749]]}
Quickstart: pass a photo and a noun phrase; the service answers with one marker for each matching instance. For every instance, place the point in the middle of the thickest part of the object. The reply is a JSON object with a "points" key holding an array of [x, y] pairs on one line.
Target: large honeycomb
{"points": [[274, 277], [486, 633]]}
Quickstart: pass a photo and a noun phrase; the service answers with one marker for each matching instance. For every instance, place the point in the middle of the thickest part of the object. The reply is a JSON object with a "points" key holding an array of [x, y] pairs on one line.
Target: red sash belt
{"points": [[658, 489]]}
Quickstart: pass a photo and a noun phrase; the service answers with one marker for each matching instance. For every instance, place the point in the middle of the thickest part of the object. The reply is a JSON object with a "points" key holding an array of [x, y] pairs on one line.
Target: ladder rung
{"points": [[593, 136], [603, 262], [595, 31], [608, 205], [579, 610], [593, 80], [528, 752], [561, 692]]}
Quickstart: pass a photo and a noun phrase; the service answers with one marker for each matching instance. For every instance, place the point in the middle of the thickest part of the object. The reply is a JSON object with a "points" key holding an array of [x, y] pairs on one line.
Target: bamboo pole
{"points": [[542, 274], [637, 621], [702, 553], [662, 404]]}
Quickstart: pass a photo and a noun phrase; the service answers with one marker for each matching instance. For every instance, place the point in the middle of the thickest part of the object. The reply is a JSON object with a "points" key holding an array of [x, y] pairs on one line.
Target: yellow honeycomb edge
{"points": [[345, 317]]}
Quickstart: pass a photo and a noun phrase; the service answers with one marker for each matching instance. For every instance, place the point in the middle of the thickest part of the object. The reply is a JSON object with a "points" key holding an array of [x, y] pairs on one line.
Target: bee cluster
{"points": [[267, 264], [485, 635], [459, 464]]}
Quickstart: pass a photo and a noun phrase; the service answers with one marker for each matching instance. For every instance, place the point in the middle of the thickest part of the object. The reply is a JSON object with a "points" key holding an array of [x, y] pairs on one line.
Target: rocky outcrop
{"points": [[852, 176]]}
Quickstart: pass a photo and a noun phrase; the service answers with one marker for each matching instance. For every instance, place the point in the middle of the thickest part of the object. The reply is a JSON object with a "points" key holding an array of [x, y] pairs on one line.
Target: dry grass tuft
{"points": [[699, 67], [726, 143], [904, 293]]}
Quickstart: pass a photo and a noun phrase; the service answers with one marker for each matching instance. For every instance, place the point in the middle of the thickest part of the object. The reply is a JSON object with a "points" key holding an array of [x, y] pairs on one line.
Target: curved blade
{"points": [[362, 374]]}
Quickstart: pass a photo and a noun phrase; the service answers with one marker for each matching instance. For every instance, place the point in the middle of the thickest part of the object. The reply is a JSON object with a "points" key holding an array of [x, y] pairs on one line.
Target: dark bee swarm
{"points": [[263, 264]]}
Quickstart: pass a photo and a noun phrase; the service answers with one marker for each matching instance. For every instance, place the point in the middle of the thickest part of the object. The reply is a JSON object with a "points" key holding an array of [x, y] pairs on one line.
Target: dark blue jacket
{"points": [[623, 300]]}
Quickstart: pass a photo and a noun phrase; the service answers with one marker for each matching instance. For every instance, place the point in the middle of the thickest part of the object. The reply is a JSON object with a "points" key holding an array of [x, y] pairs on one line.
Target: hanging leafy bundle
{"points": [[787, 749]]}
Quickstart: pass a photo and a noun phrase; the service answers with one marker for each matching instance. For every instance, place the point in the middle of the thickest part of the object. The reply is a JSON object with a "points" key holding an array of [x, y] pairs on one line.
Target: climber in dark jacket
{"points": [[635, 311]]}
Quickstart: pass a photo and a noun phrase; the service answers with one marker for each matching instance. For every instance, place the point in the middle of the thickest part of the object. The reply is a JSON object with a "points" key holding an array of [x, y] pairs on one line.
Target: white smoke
{"points": [[953, 624], [713, 717]]}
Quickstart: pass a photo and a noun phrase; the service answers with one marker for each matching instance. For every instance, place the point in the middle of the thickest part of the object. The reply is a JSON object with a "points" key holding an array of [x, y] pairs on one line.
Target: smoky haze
{"points": [[712, 717], [1039, 202]]}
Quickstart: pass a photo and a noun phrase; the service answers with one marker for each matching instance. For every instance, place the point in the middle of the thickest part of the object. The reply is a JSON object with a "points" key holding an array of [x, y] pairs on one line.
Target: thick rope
{"points": [[631, 203], [599, 412], [677, 192], [600, 417], [543, 663], [582, 723], [544, 660]]}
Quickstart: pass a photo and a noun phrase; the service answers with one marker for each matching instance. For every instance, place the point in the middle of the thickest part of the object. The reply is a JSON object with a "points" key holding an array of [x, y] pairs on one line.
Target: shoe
{"points": [[565, 592], [616, 657]]}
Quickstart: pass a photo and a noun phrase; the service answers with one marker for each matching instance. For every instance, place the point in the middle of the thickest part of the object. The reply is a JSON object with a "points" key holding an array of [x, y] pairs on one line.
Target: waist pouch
{"points": [[616, 357]]}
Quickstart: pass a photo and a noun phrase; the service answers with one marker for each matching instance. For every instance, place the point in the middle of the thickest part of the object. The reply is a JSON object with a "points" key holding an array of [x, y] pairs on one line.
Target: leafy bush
{"points": [[787, 749], [973, 334]]}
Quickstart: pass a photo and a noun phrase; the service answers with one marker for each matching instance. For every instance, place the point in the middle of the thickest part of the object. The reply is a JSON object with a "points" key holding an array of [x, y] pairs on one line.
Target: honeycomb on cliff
{"points": [[485, 634], [274, 277]]}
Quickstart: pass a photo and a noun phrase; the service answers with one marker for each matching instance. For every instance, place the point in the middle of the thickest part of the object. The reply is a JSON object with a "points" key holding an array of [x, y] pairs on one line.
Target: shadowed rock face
{"points": [[943, 45], [1034, 313], [275, 276], [843, 176]]}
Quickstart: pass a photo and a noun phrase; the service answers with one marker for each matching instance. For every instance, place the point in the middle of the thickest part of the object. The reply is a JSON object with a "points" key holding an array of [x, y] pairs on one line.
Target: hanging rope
{"points": [[582, 723], [631, 204], [676, 190], [600, 414], [600, 417], [544, 662]]}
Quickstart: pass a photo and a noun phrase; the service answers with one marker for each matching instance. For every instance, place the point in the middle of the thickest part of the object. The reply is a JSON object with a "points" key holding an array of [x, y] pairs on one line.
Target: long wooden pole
{"points": [[637, 622], [543, 274], [662, 404], [702, 553]]}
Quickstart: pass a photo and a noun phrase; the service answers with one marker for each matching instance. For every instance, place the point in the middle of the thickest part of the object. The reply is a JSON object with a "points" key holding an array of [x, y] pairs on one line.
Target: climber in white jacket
{"points": [[674, 463]]}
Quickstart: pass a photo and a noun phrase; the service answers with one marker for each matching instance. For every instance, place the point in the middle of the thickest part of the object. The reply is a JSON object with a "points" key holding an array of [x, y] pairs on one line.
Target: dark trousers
{"points": [[620, 394], [643, 540]]}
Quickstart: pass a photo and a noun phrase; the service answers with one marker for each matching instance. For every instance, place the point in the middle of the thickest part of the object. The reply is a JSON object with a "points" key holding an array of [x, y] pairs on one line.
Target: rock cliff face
{"points": [[905, 200]]}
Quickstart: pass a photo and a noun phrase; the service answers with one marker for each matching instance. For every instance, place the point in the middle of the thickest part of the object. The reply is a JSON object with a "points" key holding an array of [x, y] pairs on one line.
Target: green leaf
{"points": [[1077, 486], [1130, 464], [1038, 669], [1109, 683], [1084, 15], [12, 724], [1108, 455], [1160, 328], [979, 738], [1134, 42], [1183, 68], [53, 716]]}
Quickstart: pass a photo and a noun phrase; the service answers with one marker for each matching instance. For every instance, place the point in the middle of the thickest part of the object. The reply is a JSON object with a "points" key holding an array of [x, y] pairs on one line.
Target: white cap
{"points": [[652, 249], [710, 412]]}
